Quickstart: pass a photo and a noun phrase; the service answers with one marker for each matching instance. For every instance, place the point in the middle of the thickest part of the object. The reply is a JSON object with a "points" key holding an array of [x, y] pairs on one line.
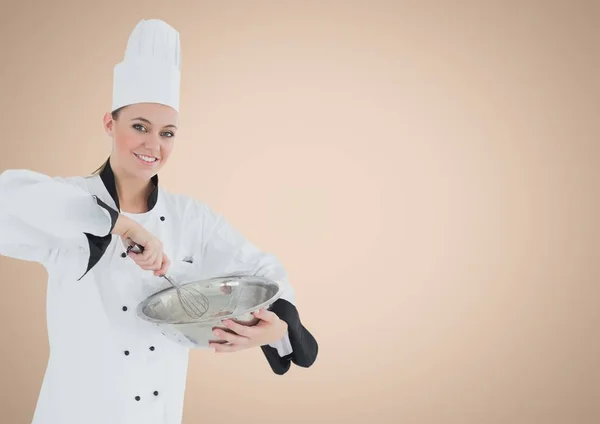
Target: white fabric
{"points": [[89, 379], [151, 69]]}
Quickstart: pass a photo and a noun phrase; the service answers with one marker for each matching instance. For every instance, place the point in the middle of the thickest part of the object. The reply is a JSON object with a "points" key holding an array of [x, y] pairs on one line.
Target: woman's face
{"points": [[143, 137]]}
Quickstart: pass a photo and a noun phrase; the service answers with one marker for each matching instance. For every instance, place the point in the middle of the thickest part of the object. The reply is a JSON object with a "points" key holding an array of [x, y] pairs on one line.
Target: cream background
{"points": [[427, 172]]}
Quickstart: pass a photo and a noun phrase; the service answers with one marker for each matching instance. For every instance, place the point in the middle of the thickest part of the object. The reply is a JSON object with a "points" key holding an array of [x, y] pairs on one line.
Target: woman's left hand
{"points": [[269, 329]]}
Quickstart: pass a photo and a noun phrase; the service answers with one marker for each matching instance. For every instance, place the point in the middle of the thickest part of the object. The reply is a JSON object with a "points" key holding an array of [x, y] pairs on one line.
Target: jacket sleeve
{"points": [[39, 214], [225, 251]]}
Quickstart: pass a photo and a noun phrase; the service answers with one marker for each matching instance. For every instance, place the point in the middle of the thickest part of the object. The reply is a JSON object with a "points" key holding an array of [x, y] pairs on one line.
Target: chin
{"points": [[144, 172]]}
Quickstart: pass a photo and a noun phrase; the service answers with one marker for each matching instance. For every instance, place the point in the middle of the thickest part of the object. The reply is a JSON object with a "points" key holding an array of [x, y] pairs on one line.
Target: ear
{"points": [[108, 124]]}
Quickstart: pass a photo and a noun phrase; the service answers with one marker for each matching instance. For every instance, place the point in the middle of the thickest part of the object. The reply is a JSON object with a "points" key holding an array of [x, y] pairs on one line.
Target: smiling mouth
{"points": [[146, 159]]}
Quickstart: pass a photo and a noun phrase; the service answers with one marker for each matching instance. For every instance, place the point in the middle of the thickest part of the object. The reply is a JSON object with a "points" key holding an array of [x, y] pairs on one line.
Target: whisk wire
{"points": [[193, 302]]}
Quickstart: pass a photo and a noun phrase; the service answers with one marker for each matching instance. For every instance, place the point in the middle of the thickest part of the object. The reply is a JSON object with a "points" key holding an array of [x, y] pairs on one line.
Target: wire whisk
{"points": [[193, 302]]}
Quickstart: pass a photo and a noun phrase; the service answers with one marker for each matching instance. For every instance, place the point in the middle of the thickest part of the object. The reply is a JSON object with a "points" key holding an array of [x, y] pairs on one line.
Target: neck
{"points": [[133, 192]]}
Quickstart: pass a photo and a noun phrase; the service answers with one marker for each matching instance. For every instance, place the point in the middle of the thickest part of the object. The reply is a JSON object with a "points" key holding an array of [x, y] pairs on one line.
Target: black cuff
{"points": [[99, 244], [114, 215], [304, 346], [279, 365]]}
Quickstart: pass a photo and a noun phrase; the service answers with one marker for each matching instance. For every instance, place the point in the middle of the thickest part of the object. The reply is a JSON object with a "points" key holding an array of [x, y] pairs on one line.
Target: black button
{"points": [[162, 218], [152, 348], [124, 308], [126, 353], [155, 393], [123, 255], [137, 398]]}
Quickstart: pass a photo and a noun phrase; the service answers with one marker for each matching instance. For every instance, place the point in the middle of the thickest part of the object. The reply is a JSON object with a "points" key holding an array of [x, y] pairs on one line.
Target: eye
{"points": [[139, 127], [168, 134]]}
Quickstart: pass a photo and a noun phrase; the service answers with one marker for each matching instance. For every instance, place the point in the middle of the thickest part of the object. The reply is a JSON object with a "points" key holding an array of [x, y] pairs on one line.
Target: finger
{"points": [[263, 314], [157, 262], [154, 247], [153, 255], [166, 262], [242, 330], [151, 267], [226, 348], [141, 258], [230, 337], [145, 255], [147, 263]]}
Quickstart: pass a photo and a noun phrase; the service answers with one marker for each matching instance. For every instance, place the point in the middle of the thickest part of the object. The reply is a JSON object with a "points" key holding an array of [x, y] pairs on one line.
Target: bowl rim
{"points": [[211, 320]]}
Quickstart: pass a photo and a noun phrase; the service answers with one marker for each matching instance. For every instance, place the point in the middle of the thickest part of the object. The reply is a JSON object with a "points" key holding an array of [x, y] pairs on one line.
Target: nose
{"points": [[152, 142]]}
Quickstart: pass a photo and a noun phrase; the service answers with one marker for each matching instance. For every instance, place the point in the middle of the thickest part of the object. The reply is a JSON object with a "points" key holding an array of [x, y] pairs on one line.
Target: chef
{"points": [[106, 366]]}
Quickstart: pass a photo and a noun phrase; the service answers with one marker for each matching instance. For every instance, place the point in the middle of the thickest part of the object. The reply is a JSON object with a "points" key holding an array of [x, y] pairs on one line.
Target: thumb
{"points": [[266, 315]]}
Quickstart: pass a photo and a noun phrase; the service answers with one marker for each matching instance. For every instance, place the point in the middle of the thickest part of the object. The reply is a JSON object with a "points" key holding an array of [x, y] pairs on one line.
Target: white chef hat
{"points": [[151, 69]]}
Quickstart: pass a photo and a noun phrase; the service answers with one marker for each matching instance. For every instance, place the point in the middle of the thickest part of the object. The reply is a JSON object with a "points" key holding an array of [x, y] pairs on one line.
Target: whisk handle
{"points": [[135, 247]]}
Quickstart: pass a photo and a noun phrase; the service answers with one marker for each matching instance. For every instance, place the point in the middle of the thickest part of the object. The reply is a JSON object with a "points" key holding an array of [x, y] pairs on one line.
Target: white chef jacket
{"points": [[107, 366]]}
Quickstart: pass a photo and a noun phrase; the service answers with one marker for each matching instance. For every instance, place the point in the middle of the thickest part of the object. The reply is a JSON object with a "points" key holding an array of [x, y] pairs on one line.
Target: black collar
{"points": [[108, 178]]}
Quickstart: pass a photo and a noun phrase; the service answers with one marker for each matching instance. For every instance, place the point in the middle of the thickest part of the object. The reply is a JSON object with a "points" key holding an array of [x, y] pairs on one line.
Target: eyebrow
{"points": [[139, 118]]}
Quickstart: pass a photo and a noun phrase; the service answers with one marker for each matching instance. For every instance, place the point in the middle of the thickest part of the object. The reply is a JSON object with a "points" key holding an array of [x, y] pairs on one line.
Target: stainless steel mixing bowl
{"points": [[234, 297]]}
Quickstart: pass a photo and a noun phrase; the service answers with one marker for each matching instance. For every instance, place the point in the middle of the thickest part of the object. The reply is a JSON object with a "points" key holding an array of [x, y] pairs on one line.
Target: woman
{"points": [[106, 365]]}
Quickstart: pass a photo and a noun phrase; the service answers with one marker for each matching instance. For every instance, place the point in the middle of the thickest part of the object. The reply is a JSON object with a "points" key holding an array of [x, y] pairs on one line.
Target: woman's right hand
{"points": [[152, 258]]}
